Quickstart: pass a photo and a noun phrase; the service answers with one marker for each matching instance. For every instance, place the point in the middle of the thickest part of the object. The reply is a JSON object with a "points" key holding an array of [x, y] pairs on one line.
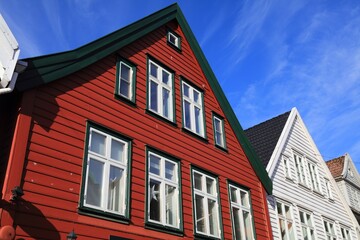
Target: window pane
{"points": [[197, 120], [125, 72], [186, 90], [154, 165], [308, 219], [197, 181], [305, 233], [117, 150], [97, 143], [125, 88], [153, 70], [166, 102], [290, 229], [166, 78], [170, 170], [196, 96], [187, 115], [171, 208], [153, 96], [244, 199], [287, 211], [218, 138], [279, 209], [114, 195], [200, 218], [233, 195], [213, 217], [94, 183], [210, 186], [237, 228], [248, 228], [282, 229], [155, 201], [217, 125]]}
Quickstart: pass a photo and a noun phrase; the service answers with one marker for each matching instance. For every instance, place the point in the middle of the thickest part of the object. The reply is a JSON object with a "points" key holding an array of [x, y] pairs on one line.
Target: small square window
{"points": [[174, 39], [125, 80]]}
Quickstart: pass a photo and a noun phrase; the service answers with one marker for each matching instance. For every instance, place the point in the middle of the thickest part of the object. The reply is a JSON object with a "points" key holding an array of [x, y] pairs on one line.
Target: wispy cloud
{"points": [[248, 23], [316, 70]]}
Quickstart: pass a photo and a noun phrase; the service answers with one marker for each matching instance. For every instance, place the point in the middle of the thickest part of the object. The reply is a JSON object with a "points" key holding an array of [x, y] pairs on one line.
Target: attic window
{"points": [[174, 40]]}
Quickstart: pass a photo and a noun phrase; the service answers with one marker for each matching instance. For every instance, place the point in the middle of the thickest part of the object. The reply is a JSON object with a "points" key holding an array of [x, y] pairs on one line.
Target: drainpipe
{"points": [[20, 67]]}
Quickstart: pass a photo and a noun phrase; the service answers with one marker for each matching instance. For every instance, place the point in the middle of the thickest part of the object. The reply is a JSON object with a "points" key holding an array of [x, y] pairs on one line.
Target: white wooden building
{"points": [[306, 203], [348, 180]]}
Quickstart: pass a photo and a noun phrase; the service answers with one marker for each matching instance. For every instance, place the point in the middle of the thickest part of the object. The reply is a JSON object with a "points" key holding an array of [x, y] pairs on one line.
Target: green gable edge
{"points": [[48, 68]]}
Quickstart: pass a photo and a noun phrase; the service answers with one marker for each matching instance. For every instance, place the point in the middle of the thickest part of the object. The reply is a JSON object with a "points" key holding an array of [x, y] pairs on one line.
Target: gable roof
{"points": [[264, 136], [336, 166], [48, 68]]}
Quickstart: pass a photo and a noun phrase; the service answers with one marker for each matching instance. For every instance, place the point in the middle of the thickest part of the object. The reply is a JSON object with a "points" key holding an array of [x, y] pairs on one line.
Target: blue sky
{"points": [[268, 56]]}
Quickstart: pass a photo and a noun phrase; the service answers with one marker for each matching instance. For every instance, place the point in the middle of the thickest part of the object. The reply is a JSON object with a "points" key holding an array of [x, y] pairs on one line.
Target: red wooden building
{"points": [[129, 137]]}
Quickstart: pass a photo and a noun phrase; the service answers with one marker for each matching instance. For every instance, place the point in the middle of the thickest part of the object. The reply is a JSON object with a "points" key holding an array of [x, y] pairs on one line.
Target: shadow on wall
{"points": [[30, 221]]}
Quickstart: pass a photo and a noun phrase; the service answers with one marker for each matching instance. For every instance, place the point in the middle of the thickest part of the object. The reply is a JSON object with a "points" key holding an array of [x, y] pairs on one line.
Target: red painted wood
{"points": [[53, 171], [17, 155]]}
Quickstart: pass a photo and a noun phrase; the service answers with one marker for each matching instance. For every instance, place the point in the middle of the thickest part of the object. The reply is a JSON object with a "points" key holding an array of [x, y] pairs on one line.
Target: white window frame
{"points": [[206, 196], [345, 233], [328, 189], [162, 192], [287, 220], [108, 162], [130, 80], [221, 131], [306, 225], [300, 166], [314, 176], [241, 207], [176, 42], [161, 88], [287, 166], [193, 105], [330, 225]]}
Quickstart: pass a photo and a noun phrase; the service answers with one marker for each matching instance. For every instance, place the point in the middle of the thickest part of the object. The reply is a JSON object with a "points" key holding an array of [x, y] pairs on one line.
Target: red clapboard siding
{"points": [[53, 174]]}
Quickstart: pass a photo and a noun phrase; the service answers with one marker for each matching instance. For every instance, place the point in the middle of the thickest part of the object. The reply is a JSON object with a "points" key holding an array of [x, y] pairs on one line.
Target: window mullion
{"points": [[242, 224], [206, 215]]}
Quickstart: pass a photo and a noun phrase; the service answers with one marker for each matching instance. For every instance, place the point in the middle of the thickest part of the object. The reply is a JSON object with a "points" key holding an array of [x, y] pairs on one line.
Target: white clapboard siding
{"points": [[299, 140]]}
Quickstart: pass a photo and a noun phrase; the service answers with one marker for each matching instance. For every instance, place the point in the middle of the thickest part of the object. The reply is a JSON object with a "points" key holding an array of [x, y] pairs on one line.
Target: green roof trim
{"points": [[45, 69]]}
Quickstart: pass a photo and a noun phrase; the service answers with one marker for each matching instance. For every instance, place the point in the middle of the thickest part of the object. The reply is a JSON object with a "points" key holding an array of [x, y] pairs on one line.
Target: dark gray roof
{"points": [[264, 136]]}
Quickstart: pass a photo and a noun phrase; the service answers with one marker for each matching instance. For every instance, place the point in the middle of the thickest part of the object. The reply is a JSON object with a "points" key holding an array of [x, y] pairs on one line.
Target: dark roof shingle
{"points": [[264, 136]]}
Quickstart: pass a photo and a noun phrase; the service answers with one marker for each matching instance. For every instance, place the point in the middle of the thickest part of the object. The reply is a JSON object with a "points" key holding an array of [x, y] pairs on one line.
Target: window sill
{"points": [[165, 229], [289, 179], [176, 48], [204, 139], [103, 215], [302, 185], [159, 117], [222, 148], [319, 194], [202, 236], [125, 100]]}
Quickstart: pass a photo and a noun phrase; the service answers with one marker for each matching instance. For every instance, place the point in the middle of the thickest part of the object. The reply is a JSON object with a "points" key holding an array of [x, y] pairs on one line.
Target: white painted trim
{"points": [[281, 143]]}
